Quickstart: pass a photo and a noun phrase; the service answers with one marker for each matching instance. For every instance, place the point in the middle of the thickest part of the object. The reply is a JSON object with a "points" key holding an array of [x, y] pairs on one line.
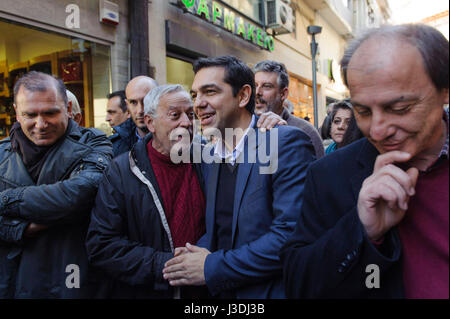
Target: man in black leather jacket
{"points": [[50, 169]]}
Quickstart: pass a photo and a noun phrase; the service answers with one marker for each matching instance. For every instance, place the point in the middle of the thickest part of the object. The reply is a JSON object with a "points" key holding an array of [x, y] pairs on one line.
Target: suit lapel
{"points": [[243, 175], [366, 162]]}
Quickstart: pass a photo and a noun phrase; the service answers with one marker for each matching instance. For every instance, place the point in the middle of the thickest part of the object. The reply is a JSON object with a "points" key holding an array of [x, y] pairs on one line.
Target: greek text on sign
{"points": [[230, 21]]}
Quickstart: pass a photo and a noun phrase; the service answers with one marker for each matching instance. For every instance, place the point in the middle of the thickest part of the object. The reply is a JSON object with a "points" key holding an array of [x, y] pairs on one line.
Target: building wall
{"points": [[51, 15], [109, 67], [291, 49], [331, 46]]}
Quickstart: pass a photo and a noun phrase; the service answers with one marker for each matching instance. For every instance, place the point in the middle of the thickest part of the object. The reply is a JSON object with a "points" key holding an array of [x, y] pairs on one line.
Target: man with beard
{"points": [[272, 89]]}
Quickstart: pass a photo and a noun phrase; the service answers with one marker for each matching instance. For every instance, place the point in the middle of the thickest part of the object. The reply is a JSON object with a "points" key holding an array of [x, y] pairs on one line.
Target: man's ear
{"points": [[284, 93], [15, 111], [128, 113], [244, 95], [69, 109], [149, 123], [78, 117]]}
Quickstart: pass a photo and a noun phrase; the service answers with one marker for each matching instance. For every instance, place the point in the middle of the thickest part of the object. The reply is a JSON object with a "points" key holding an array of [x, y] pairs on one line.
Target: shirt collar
{"points": [[222, 152], [138, 136]]}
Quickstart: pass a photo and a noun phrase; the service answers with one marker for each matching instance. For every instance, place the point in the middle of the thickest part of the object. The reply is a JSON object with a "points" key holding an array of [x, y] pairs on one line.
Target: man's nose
{"points": [[140, 107], [41, 123], [258, 90], [379, 127], [199, 103], [185, 121]]}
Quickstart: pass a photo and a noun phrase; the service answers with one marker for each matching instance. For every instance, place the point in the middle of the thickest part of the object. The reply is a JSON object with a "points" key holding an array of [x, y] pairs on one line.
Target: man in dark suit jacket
{"points": [[253, 199], [375, 220]]}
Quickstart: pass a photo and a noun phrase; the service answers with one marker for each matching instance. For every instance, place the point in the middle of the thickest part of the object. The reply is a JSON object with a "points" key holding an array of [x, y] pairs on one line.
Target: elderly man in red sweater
{"points": [[147, 205]]}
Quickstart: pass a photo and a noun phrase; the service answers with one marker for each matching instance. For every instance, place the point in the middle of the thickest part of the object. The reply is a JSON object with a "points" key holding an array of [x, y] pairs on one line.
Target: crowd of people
{"points": [[270, 212]]}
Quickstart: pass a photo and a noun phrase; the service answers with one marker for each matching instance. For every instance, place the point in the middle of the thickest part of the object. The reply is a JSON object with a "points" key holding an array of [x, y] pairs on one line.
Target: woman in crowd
{"points": [[343, 129]]}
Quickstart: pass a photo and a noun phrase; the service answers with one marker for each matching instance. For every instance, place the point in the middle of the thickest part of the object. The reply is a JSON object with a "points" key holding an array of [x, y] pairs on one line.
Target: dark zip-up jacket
{"points": [[124, 138], [129, 237], [48, 265]]}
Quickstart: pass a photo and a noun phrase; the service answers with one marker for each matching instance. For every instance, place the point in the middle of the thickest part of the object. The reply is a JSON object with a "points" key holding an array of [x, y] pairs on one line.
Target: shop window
{"points": [[301, 95], [24, 49], [180, 72]]}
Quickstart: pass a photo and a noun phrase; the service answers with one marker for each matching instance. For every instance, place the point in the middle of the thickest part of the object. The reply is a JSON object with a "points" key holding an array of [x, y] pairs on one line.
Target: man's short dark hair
{"points": [[40, 82], [431, 43], [274, 67], [237, 74], [123, 99]]}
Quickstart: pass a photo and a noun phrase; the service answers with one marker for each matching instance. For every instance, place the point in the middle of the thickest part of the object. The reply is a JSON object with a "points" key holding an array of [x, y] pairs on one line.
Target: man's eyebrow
{"points": [[354, 103], [209, 86], [402, 98], [205, 87], [50, 111]]}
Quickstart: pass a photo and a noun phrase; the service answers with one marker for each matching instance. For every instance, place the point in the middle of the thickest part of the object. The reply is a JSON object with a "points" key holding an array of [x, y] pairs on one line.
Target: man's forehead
{"points": [[114, 101], [138, 89], [382, 52], [49, 95], [179, 99], [209, 76], [396, 61], [137, 93], [266, 75]]}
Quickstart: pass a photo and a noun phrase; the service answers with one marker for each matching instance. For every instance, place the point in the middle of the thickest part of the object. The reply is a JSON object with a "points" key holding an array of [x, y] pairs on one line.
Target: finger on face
{"points": [[391, 158]]}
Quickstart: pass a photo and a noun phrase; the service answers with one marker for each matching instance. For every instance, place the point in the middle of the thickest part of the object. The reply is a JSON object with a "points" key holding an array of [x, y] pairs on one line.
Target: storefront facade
{"points": [[66, 39], [182, 30]]}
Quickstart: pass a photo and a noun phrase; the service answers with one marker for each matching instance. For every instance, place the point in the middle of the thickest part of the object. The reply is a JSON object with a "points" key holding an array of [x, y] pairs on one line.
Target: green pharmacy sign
{"points": [[229, 20]]}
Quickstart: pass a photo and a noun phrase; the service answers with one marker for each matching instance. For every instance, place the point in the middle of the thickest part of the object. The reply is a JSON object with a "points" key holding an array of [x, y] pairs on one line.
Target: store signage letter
{"points": [[215, 13]]}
